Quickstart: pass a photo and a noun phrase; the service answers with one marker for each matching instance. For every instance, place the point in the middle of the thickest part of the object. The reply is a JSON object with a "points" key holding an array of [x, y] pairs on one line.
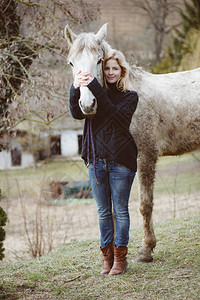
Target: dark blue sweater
{"points": [[110, 124]]}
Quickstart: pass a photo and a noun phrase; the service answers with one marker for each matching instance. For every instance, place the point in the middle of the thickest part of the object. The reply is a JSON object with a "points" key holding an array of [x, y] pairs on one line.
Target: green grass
{"points": [[178, 174], [175, 175], [31, 181], [72, 272]]}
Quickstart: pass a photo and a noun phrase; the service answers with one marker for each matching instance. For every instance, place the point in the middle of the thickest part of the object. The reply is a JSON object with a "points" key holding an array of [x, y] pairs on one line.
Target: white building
{"points": [[64, 136], [7, 161]]}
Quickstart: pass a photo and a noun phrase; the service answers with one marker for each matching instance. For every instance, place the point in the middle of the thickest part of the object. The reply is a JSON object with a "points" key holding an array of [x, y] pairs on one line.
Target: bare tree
{"points": [[32, 55], [158, 12]]}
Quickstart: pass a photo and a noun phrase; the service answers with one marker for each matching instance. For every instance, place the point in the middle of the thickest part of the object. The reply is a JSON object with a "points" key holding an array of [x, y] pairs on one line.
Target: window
{"points": [[16, 157], [55, 145], [80, 138]]}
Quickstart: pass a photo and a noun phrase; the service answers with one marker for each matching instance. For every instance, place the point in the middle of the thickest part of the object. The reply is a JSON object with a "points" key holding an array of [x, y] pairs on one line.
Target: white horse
{"points": [[166, 121]]}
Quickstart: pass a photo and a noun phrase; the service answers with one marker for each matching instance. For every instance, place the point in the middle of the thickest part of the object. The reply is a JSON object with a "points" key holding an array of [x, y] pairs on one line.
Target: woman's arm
{"points": [[122, 111], [73, 103], [80, 79]]}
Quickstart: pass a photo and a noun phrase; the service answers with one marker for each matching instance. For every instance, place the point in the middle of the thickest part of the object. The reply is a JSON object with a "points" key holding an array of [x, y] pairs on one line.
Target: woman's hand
{"points": [[86, 78], [77, 79], [82, 79]]}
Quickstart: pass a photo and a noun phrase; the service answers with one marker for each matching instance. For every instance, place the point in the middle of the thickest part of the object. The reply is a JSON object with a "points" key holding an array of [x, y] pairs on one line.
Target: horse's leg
{"points": [[146, 176]]}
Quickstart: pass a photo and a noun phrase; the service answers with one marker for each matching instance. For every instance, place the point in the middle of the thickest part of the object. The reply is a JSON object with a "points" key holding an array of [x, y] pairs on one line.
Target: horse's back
{"points": [[168, 113], [179, 86]]}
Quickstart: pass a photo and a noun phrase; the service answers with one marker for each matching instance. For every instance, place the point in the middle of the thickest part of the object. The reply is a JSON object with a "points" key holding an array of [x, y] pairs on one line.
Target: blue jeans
{"points": [[113, 191]]}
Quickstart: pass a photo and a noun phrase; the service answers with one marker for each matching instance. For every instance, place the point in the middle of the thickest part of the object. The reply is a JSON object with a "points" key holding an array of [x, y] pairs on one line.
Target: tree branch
{"points": [[38, 4]]}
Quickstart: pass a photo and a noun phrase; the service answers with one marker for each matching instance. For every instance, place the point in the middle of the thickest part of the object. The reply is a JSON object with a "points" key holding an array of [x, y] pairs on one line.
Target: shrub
{"points": [[3, 220]]}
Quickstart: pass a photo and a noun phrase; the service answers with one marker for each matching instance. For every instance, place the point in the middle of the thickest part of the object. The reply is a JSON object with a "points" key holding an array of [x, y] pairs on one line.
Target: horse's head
{"points": [[86, 54]]}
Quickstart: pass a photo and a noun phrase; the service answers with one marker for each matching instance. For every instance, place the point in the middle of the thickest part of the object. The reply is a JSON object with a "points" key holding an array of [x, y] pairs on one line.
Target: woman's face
{"points": [[112, 71]]}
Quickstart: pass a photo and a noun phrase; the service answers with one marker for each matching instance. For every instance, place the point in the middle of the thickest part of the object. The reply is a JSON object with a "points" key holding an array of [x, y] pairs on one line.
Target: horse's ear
{"points": [[101, 34], [69, 35]]}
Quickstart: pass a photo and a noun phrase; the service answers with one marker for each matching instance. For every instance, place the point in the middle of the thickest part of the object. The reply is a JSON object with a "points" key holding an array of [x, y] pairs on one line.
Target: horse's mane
{"points": [[88, 42], [84, 41], [106, 47]]}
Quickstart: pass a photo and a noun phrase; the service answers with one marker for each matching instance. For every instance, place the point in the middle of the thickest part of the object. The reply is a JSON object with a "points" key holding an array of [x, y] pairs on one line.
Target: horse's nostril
{"points": [[93, 103], [87, 109]]}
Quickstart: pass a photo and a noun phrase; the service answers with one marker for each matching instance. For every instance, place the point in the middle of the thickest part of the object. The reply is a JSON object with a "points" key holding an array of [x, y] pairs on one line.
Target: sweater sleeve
{"points": [[74, 105], [122, 111]]}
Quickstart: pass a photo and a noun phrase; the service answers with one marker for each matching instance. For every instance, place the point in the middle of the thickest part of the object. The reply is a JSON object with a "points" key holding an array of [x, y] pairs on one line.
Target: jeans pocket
{"points": [[123, 168]]}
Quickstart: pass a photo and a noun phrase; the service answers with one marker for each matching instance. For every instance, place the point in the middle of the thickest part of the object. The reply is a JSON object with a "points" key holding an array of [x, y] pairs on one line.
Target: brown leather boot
{"points": [[120, 262], [108, 255]]}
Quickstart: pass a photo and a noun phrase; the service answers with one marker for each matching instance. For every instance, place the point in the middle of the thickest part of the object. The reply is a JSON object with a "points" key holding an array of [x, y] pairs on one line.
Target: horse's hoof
{"points": [[144, 257]]}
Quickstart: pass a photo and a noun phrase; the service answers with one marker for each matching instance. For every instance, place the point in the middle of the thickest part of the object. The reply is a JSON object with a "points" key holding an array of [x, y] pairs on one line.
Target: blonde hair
{"points": [[124, 82]]}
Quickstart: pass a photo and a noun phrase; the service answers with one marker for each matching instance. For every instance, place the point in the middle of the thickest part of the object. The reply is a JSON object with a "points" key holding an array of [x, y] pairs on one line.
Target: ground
{"points": [[75, 221], [37, 225]]}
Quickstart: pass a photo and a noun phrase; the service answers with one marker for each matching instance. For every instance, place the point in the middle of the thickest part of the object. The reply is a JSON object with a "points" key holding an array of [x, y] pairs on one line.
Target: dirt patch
{"points": [[51, 226]]}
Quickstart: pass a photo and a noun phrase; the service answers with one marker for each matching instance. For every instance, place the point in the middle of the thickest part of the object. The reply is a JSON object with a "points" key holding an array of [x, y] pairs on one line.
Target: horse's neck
{"points": [[137, 77]]}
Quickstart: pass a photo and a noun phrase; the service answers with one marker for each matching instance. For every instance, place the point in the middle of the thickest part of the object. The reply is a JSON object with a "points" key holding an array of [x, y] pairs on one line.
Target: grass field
{"points": [[72, 272], [33, 180], [177, 194], [178, 174]]}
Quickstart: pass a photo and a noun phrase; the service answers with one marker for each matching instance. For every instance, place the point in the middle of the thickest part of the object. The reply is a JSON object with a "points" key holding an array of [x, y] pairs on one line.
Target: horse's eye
{"points": [[71, 63], [99, 61]]}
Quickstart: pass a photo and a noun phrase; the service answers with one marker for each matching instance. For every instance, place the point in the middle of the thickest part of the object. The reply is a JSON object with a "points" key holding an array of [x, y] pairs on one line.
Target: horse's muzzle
{"points": [[88, 109]]}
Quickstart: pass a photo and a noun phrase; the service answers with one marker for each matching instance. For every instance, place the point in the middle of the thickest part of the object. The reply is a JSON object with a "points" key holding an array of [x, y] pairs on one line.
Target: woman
{"points": [[111, 153]]}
